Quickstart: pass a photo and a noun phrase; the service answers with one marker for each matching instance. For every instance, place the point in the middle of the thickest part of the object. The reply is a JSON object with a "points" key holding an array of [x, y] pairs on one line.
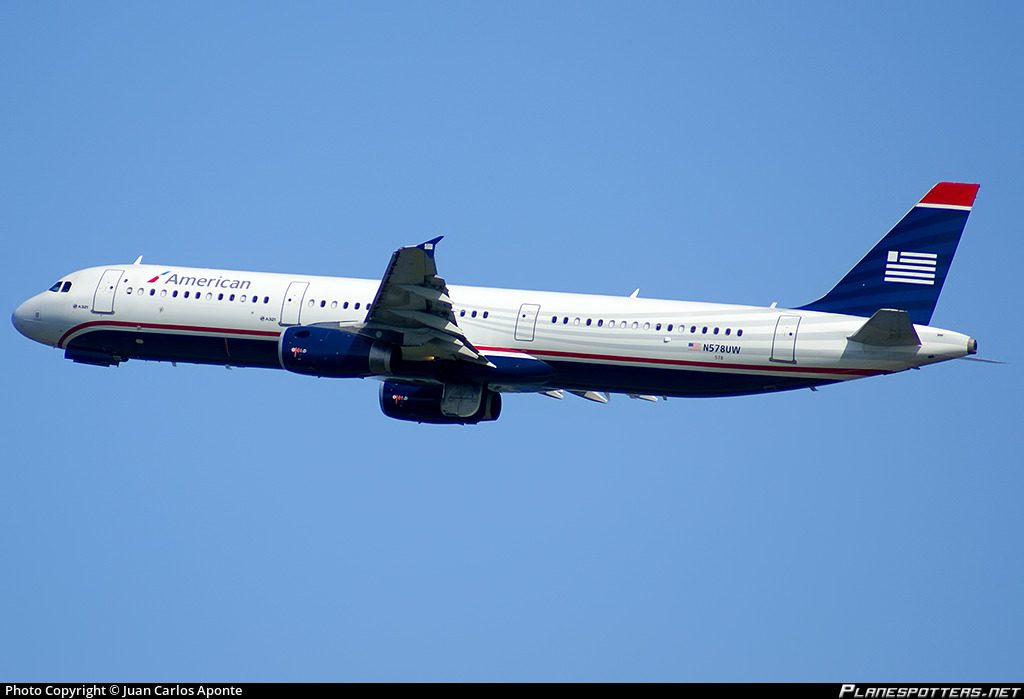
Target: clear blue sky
{"points": [[197, 523]]}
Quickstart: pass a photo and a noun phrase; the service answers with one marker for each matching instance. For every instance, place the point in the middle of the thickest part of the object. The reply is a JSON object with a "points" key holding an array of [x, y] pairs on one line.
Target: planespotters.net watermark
{"points": [[858, 691]]}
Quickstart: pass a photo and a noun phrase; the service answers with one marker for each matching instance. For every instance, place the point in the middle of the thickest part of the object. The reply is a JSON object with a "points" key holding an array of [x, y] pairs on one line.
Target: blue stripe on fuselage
{"points": [[528, 374]]}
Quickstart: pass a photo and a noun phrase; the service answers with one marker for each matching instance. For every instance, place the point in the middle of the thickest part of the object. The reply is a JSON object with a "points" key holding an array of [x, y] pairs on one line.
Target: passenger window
{"points": [[473, 314], [576, 321], [565, 320], [647, 326], [185, 294], [669, 328], [716, 331], [635, 325], [345, 305], [728, 330], [693, 328], [209, 296], [174, 294], [266, 299], [611, 323], [67, 288], [486, 314], [231, 298], [129, 290], [554, 319], [739, 333], [588, 322], [255, 298], [704, 331], [152, 292], [220, 297], [311, 302], [658, 326], [600, 322], [334, 304], [357, 305], [323, 304], [163, 293]]}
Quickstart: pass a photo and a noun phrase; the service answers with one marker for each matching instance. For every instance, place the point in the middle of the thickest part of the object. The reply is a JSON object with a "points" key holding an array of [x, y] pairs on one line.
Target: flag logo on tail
{"points": [[911, 267]]}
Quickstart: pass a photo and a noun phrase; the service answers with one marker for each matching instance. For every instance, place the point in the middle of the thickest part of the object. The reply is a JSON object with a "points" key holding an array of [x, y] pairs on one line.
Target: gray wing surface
{"points": [[413, 308]]}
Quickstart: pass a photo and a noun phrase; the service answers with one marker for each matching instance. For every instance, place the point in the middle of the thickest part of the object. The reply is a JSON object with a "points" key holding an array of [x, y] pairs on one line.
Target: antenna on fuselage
{"points": [[636, 292], [138, 261]]}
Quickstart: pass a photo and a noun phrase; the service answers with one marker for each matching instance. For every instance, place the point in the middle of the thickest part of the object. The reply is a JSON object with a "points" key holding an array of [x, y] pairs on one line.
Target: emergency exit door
{"points": [[784, 342], [526, 323]]}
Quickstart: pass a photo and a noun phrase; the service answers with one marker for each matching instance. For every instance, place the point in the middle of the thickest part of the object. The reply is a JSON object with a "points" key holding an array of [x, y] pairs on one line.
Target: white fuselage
{"points": [[599, 343]]}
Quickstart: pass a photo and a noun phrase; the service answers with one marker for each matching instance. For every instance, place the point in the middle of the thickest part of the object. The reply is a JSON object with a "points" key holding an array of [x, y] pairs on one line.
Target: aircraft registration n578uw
{"points": [[445, 354]]}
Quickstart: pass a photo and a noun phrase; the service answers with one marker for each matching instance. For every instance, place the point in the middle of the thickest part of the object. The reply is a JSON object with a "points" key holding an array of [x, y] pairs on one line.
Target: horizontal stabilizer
{"points": [[888, 327]]}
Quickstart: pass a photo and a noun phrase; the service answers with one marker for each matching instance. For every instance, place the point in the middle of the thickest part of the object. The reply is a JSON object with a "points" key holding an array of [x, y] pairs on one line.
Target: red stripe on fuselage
{"points": [[542, 353], [683, 362], [167, 326]]}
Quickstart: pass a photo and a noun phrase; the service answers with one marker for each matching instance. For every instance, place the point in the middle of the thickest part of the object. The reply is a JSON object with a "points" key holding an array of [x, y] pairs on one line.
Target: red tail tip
{"points": [[952, 194]]}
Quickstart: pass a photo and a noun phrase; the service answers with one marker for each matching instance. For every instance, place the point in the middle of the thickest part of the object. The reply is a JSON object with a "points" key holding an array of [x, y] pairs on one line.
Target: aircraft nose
{"points": [[23, 317]]}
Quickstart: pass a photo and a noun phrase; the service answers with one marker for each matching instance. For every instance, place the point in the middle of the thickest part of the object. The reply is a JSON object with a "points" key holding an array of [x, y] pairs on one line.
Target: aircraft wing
{"points": [[412, 308]]}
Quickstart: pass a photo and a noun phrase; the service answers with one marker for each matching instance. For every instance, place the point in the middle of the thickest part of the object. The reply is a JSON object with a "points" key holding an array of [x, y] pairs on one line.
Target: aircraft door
{"points": [[291, 306], [526, 323], [784, 342], [103, 299]]}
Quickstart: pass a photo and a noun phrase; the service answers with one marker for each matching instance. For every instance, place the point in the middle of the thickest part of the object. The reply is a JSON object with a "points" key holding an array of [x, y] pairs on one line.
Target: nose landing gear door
{"points": [[103, 299]]}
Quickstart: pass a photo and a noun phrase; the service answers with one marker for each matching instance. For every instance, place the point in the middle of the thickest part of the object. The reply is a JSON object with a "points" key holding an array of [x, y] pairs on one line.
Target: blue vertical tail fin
{"points": [[907, 268]]}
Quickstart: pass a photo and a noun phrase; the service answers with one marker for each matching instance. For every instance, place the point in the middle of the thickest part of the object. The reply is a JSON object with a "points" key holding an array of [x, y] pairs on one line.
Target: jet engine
{"points": [[451, 403], [318, 351]]}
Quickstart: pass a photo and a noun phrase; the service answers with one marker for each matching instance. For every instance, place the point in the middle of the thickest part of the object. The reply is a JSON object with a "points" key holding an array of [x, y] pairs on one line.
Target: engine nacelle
{"points": [[451, 404], [318, 351]]}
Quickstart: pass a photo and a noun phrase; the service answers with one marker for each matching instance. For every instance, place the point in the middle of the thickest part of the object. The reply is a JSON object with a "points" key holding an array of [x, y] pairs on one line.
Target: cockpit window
{"points": [[67, 288], [56, 287]]}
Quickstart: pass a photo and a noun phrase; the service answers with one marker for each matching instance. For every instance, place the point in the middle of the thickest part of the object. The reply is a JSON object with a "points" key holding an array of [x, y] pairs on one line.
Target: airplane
{"points": [[445, 354]]}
